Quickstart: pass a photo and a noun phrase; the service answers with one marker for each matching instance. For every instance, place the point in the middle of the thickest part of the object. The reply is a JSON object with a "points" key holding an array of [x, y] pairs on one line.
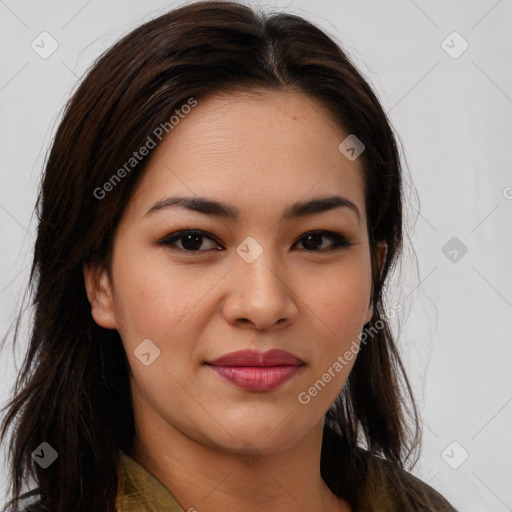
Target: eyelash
{"points": [[340, 242]]}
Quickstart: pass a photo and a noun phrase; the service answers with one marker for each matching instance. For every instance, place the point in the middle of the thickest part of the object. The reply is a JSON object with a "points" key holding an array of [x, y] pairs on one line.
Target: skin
{"points": [[213, 445]]}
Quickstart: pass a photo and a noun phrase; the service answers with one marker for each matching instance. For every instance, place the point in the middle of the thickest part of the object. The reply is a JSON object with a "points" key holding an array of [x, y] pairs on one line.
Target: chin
{"points": [[256, 437]]}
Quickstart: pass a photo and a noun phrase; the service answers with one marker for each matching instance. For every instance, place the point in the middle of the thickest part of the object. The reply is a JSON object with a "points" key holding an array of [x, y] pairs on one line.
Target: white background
{"points": [[453, 118]]}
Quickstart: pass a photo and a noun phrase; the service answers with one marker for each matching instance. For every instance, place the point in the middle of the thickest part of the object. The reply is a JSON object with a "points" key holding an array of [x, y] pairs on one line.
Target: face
{"points": [[258, 280]]}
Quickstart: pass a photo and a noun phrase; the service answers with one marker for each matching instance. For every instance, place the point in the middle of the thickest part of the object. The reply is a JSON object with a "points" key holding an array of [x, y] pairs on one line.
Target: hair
{"points": [[73, 389]]}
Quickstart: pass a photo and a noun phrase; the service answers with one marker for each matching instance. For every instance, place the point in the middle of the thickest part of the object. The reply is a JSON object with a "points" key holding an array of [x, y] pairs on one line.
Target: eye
{"points": [[191, 240], [312, 238]]}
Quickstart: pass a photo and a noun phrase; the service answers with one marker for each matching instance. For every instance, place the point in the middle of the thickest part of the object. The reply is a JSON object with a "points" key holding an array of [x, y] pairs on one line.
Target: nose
{"points": [[261, 295]]}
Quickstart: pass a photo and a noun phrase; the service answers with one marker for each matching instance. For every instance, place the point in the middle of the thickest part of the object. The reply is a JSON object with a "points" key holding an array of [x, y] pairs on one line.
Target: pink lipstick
{"points": [[256, 371]]}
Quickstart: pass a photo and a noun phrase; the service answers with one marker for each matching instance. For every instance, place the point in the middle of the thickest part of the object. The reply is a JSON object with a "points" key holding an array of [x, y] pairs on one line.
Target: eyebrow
{"points": [[220, 209]]}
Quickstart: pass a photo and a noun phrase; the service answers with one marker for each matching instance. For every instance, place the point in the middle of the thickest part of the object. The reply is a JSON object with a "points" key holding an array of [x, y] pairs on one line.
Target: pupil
{"points": [[193, 242], [187, 244], [315, 237]]}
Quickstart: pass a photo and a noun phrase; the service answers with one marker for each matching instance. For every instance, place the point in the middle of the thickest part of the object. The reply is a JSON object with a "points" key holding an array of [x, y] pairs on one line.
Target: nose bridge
{"points": [[260, 266], [261, 293]]}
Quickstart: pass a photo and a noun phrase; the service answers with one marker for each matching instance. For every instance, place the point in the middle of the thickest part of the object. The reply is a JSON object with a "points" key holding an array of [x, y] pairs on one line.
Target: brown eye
{"points": [[192, 241], [312, 240]]}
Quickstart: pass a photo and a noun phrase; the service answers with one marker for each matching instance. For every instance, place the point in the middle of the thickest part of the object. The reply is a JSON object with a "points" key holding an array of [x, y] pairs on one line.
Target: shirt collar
{"points": [[140, 490]]}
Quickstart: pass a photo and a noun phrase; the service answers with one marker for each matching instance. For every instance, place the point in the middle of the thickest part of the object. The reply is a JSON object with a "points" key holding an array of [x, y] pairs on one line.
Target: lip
{"points": [[272, 357], [257, 371]]}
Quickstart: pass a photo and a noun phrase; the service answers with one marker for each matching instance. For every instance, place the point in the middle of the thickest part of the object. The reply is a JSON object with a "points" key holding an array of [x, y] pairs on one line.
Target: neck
{"points": [[208, 479]]}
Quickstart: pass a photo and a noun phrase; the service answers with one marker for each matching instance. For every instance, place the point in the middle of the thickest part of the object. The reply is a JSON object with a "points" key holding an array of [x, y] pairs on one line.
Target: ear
{"points": [[382, 250], [99, 293]]}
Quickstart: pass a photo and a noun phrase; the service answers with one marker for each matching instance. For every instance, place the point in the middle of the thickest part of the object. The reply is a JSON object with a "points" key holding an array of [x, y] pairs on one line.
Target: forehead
{"points": [[259, 151]]}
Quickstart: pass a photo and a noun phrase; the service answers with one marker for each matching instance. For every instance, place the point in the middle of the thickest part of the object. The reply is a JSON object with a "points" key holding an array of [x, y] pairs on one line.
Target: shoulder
{"points": [[388, 487]]}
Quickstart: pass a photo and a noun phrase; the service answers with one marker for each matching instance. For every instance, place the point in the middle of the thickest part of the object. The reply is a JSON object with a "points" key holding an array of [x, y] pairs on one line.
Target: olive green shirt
{"points": [[140, 491]]}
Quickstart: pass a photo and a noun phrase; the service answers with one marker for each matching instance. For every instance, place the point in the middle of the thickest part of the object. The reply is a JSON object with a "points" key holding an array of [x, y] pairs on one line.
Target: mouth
{"points": [[256, 371]]}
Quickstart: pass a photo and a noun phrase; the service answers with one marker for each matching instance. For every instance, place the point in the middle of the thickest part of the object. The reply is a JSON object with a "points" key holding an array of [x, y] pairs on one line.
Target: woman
{"points": [[219, 214]]}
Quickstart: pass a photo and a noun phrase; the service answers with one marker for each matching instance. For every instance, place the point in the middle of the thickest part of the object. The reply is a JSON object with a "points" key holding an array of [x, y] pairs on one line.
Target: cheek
{"points": [[340, 304], [340, 299], [138, 307], [340, 308], [152, 296]]}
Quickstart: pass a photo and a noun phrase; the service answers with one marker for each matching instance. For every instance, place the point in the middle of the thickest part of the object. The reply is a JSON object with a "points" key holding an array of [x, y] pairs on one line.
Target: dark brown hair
{"points": [[73, 390]]}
